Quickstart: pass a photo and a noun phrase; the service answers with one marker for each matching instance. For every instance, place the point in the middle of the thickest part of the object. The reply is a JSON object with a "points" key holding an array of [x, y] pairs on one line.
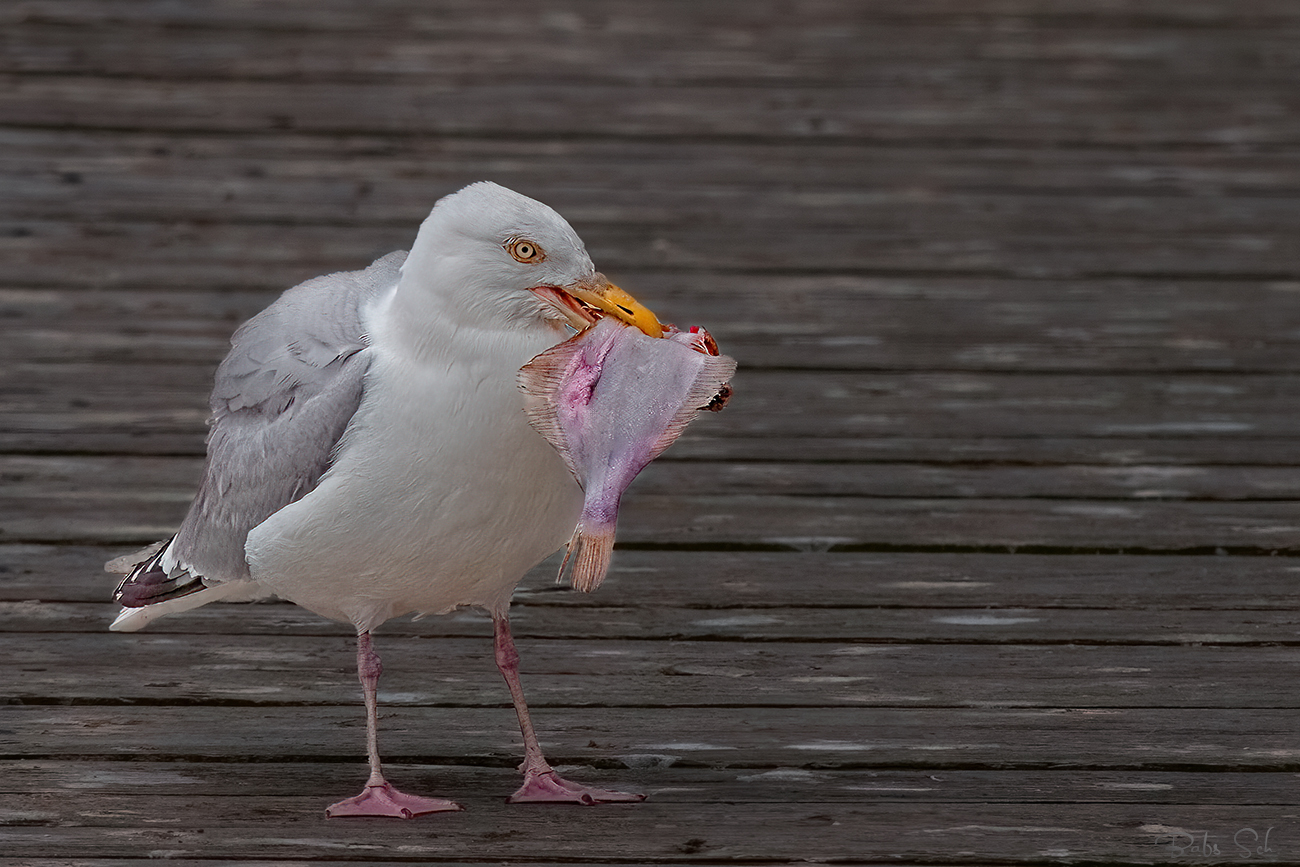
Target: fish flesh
{"points": [[610, 400]]}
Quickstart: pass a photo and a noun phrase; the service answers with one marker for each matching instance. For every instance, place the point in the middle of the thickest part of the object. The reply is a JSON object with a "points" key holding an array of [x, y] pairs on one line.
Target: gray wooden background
{"points": [[991, 560]]}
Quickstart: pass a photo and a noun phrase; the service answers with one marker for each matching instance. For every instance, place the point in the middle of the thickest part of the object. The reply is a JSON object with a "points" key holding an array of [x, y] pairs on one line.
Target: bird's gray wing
{"points": [[281, 401]]}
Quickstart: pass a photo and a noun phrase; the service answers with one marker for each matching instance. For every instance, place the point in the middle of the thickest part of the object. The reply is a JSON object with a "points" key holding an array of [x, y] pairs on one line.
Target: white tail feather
{"points": [[135, 619]]}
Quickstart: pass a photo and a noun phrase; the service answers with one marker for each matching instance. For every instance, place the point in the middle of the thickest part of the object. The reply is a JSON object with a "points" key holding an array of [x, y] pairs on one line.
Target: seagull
{"points": [[369, 456]]}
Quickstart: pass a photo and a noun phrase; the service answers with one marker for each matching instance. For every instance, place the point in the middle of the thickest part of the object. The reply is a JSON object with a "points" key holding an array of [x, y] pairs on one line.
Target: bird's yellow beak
{"points": [[608, 298], [579, 303]]}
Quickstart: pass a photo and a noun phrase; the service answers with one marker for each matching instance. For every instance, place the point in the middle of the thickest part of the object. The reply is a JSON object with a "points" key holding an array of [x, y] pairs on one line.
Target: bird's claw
{"points": [[549, 787], [385, 801]]}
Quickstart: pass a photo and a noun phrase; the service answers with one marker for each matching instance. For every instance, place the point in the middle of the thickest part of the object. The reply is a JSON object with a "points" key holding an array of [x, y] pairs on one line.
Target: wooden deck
{"points": [[992, 560]]}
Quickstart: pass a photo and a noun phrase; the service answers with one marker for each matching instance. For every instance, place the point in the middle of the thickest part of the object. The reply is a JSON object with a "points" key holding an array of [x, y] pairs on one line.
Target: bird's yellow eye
{"points": [[525, 251]]}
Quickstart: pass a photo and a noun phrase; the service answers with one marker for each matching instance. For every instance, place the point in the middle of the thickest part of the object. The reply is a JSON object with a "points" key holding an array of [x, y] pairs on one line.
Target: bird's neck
{"points": [[423, 327]]}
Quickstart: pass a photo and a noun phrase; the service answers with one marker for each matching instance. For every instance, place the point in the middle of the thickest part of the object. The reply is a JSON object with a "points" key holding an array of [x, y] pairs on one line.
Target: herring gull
{"points": [[369, 456]]}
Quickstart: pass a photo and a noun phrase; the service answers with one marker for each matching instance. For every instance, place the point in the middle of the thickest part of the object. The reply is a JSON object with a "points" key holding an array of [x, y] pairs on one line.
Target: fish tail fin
{"points": [[590, 550]]}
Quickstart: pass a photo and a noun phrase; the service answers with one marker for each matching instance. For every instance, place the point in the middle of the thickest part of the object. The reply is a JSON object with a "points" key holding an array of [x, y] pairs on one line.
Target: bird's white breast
{"points": [[441, 494]]}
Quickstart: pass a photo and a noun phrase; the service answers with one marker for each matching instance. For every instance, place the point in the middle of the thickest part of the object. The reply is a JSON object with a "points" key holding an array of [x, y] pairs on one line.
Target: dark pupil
{"points": [[525, 251]]}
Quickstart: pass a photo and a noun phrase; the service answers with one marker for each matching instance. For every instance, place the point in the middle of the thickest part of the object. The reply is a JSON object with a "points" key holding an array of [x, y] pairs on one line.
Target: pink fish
{"points": [[611, 399]]}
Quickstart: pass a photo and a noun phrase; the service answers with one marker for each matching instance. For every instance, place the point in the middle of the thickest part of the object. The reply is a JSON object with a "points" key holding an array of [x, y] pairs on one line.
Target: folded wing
{"points": [[282, 399]]}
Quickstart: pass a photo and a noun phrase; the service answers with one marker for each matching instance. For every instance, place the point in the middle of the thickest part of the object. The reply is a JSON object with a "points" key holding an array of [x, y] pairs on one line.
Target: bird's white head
{"points": [[487, 257]]}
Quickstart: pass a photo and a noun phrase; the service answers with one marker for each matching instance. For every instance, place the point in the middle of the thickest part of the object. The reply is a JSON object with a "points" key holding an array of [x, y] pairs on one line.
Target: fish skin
{"points": [[610, 400]]}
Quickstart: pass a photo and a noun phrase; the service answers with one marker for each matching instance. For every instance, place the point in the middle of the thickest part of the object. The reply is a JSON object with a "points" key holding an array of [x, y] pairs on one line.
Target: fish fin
{"points": [[569, 548], [541, 380], [714, 373], [563, 378], [591, 551]]}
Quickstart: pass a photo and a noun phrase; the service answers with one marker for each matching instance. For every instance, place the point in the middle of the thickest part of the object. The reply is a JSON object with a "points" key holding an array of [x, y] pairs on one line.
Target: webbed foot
{"points": [[550, 788], [384, 800]]}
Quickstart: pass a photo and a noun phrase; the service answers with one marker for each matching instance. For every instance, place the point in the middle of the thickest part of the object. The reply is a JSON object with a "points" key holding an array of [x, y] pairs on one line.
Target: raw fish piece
{"points": [[610, 399]]}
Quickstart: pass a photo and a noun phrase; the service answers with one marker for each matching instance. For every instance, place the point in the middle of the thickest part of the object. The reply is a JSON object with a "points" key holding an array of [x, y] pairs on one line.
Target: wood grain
{"points": [[843, 323], [292, 829], [858, 670], [974, 569]]}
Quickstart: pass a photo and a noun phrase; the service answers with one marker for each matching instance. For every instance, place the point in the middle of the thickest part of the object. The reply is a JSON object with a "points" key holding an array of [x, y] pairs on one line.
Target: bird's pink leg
{"points": [[379, 798], [541, 783]]}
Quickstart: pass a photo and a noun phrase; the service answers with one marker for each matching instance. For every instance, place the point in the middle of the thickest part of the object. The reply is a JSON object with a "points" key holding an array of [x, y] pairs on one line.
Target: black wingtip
{"points": [[149, 583]]}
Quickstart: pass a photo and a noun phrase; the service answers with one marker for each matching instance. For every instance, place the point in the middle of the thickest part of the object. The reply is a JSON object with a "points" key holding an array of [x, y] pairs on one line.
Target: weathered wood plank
{"points": [[359, 178], [71, 173], [666, 783], [861, 46], [65, 669], [757, 581], [153, 481], [948, 108], [1140, 482], [1150, 450], [846, 523], [1155, 315], [649, 833], [1160, 15], [798, 181], [949, 625], [897, 214], [167, 438], [1038, 240], [854, 323], [44, 400], [1140, 739], [784, 522], [124, 499]]}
